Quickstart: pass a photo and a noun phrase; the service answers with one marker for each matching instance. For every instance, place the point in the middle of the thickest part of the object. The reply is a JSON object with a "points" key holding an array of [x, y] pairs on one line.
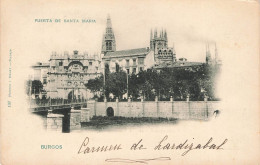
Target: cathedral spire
{"points": [[162, 33], [208, 55], [109, 24], [151, 35], [165, 35], [155, 33], [173, 48], [109, 42]]}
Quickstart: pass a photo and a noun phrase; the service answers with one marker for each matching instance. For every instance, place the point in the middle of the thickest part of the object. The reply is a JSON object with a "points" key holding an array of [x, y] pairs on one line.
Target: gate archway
{"points": [[76, 94], [110, 112]]}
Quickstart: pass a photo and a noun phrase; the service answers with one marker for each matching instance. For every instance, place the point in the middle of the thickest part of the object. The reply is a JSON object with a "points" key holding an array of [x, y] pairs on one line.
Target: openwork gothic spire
{"points": [[109, 42]]}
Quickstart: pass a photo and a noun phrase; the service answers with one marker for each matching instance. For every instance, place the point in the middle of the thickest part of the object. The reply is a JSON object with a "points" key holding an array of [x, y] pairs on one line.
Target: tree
{"points": [[134, 86], [96, 85], [116, 84], [195, 82], [33, 87]]}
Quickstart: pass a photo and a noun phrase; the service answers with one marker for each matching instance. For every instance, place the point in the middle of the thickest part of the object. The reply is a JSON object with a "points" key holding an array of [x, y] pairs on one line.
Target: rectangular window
{"points": [[127, 63], [134, 61], [141, 68], [134, 70], [90, 63], [44, 81], [127, 71], [60, 63], [140, 61]]}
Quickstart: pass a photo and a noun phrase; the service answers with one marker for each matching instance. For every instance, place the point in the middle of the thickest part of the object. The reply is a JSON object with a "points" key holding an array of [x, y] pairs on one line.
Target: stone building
{"points": [[158, 55], [135, 60], [41, 72], [65, 74], [184, 63], [159, 45]]}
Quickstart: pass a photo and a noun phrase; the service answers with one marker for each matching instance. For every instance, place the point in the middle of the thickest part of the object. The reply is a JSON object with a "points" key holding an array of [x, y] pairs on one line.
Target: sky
{"points": [[189, 26], [232, 24]]}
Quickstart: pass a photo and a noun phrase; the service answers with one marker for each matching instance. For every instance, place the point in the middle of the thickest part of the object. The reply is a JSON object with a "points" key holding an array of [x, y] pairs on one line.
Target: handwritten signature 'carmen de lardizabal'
{"points": [[163, 144]]}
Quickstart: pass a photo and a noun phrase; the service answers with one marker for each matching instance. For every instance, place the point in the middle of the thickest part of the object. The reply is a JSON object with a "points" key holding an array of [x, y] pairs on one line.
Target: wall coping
{"points": [[52, 115], [160, 101], [74, 111], [85, 108]]}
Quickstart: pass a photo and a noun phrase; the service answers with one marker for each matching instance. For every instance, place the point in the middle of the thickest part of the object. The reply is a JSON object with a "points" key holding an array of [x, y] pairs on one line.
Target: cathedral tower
{"points": [[208, 55], [109, 42], [159, 44], [160, 41]]}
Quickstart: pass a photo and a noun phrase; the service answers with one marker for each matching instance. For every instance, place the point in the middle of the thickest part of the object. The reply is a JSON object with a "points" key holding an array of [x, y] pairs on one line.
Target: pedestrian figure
{"points": [[217, 112]]}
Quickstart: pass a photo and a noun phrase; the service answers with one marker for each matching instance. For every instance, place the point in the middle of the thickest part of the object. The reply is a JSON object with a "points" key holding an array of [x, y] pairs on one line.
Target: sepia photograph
{"points": [[153, 84], [130, 82]]}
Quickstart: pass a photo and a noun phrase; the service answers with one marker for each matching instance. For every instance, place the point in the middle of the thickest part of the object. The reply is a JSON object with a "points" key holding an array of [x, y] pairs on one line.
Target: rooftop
{"points": [[179, 64], [39, 64], [130, 52]]}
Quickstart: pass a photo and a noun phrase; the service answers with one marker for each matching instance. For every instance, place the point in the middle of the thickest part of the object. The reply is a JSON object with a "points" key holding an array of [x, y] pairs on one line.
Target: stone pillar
{"points": [[95, 107], [75, 118], [54, 122], [171, 100], [84, 115], [129, 104], [105, 101], [188, 102], [206, 108], [156, 98], [188, 98], [117, 107], [142, 101], [157, 105]]}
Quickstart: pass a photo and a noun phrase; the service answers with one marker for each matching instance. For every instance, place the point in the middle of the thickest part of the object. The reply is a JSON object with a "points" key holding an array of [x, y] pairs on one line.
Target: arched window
{"points": [[110, 45], [165, 52]]}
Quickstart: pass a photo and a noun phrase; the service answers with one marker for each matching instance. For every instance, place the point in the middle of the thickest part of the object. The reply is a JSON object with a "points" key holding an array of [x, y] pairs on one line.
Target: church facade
{"points": [[66, 74]]}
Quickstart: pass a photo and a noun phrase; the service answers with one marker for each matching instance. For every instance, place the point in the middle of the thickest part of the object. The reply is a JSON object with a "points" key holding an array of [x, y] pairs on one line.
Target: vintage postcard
{"points": [[130, 82]]}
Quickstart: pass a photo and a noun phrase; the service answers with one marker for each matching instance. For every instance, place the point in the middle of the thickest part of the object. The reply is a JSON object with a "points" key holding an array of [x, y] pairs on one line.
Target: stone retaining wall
{"points": [[166, 109]]}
